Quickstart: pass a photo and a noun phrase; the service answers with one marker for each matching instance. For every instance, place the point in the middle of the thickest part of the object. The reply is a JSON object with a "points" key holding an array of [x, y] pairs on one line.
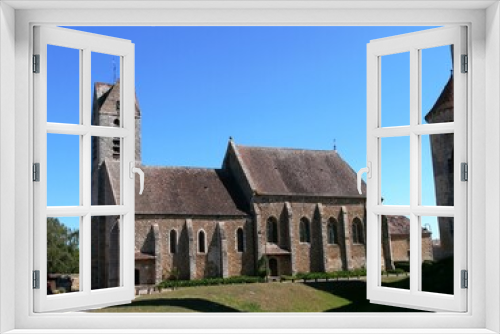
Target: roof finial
{"points": [[335, 145], [230, 138]]}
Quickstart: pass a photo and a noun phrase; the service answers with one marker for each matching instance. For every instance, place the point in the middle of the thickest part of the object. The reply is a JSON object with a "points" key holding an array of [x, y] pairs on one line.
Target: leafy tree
{"points": [[63, 253]]}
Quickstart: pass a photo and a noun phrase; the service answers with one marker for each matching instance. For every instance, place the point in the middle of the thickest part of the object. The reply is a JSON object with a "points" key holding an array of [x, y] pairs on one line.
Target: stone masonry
{"points": [[193, 223]]}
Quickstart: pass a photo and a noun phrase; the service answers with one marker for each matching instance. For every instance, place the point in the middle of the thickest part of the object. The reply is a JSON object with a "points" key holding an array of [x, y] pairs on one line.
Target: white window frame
{"points": [[414, 43], [85, 43], [483, 20]]}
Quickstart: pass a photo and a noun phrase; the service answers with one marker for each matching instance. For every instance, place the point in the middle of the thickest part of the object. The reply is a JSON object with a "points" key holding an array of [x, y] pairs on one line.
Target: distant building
{"points": [[442, 148], [300, 208]]}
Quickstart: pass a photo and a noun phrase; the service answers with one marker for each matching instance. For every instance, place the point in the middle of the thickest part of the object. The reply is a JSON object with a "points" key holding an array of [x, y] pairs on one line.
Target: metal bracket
{"points": [[36, 63], [465, 63], [464, 171], [36, 279], [36, 172], [464, 279]]}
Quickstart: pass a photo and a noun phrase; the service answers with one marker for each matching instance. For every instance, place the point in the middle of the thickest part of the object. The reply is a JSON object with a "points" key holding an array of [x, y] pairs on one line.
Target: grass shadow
{"points": [[355, 292], [194, 304]]}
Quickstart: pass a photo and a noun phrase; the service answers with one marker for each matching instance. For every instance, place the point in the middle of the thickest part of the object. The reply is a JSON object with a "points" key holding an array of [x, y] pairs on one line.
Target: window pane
{"points": [[63, 85], [437, 169], [437, 258], [63, 170], [105, 251], [437, 85], [395, 254], [395, 89], [63, 255], [105, 90], [106, 171], [395, 171]]}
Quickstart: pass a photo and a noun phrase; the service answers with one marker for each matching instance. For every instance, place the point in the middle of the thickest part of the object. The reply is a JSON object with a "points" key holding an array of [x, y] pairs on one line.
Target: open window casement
{"points": [[444, 127], [81, 277]]}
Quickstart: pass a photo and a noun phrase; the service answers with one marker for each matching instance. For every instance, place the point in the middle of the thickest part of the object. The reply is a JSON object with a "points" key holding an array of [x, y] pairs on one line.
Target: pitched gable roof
{"points": [[283, 171], [399, 225], [182, 191]]}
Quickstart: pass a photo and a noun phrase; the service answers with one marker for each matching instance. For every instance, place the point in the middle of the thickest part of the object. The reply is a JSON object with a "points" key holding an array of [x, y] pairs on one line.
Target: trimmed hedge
{"points": [[397, 272], [327, 276], [209, 281], [404, 265]]}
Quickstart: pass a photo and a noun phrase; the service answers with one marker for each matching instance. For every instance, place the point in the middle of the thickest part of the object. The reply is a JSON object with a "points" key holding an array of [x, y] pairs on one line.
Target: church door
{"points": [[273, 267]]}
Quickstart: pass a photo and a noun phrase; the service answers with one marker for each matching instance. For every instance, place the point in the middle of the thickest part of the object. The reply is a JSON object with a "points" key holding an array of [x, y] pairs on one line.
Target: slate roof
{"points": [[273, 249], [143, 256], [284, 171], [400, 225], [183, 191]]}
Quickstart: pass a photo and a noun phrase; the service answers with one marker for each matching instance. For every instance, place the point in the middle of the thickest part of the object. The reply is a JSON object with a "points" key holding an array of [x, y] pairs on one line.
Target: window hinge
{"points": [[464, 171], [36, 279], [36, 172], [36, 63], [465, 63], [465, 279]]}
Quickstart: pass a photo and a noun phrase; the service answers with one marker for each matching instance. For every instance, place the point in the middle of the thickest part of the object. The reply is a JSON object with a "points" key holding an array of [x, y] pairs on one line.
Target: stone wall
{"points": [[146, 270], [427, 247], [208, 264], [400, 247], [240, 263], [317, 255]]}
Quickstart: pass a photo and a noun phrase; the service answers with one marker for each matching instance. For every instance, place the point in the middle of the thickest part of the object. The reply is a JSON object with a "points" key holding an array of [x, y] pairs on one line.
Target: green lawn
{"points": [[340, 296]]}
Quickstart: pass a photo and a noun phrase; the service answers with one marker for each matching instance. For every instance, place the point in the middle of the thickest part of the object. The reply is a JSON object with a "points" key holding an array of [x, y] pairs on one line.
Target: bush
{"points": [[209, 281], [262, 267], [396, 272], [404, 265], [330, 275]]}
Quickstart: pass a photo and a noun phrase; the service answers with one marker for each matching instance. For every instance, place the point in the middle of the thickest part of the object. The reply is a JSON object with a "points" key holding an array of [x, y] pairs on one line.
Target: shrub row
{"points": [[397, 272], [209, 281], [332, 275]]}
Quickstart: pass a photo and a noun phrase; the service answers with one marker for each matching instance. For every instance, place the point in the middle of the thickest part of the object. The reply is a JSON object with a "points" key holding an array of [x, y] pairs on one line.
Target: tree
{"points": [[63, 251]]}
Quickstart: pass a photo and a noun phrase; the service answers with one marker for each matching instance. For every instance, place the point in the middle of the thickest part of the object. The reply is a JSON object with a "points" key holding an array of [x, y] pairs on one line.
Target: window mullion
{"points": [[85, 168], [414, 170]]}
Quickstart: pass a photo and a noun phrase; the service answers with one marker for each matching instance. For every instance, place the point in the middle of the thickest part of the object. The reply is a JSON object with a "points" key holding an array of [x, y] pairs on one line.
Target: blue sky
{"points": [[300, 87]]}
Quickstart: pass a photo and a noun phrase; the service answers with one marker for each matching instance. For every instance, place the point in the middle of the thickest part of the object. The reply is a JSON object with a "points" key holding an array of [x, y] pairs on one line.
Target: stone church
{"points": [[299, 208]]}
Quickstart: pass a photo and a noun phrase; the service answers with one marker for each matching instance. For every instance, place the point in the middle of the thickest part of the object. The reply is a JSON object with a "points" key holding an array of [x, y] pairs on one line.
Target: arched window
{"points": [[272, 230], [173, 241], [305, 230], [240, 241], [201, 242], [357, 232], [333, 237]]}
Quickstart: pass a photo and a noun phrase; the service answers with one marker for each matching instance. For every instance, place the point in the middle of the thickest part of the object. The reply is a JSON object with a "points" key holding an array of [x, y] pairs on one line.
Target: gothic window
{"points": [[305, 230], [357, 232], [173, 241], [332, 231], [272, 230], [240, 241], [201, 242]]}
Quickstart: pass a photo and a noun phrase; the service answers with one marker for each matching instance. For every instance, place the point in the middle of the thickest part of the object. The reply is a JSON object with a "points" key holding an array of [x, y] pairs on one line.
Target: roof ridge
{"points": [[182, 168], [272, 148]]}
